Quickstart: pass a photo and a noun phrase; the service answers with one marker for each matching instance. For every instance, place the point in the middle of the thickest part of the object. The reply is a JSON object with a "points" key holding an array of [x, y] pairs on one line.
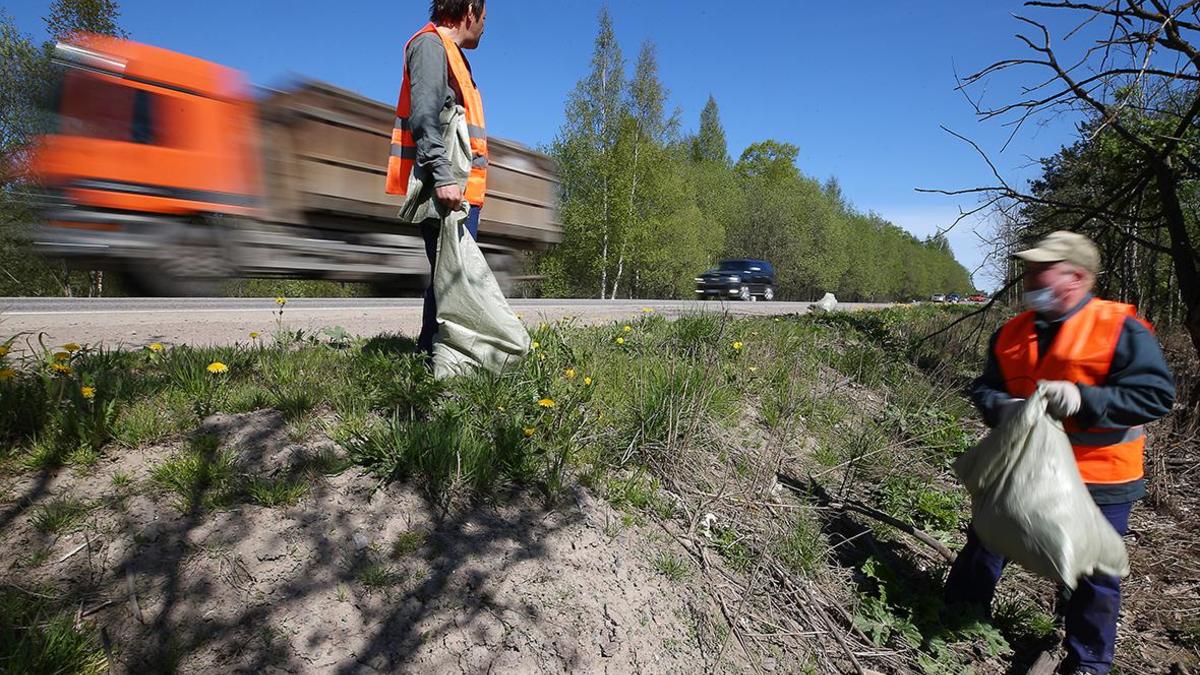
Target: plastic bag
{"points": [[1029, 504], [825, 304], [476, 325]]}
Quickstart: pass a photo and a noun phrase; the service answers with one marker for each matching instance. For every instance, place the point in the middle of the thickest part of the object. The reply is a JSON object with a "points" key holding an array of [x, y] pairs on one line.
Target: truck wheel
{"points": [[745, 294], [769, 294], [191, 263]]}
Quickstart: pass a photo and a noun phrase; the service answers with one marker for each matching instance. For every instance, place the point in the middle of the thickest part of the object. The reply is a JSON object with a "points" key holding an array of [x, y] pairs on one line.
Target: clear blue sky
{"points": [[860, 89]]}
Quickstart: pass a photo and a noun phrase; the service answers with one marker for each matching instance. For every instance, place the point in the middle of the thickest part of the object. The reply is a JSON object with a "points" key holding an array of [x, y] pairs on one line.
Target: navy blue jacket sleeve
{"points": [[1139, 388], [987, 391]]}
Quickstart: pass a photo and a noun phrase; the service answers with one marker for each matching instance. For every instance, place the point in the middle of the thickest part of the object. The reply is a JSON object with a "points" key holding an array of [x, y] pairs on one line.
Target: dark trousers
{"points": [[1091, 610], [430, 229]]}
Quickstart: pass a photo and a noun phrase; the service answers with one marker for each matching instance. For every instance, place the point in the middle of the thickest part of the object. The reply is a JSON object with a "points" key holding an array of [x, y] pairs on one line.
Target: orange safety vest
{"points": [[1082, 353], [404, 148]]}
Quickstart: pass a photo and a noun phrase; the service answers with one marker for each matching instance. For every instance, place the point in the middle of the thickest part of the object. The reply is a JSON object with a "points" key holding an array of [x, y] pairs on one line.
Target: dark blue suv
{"points": [[737, 280]]}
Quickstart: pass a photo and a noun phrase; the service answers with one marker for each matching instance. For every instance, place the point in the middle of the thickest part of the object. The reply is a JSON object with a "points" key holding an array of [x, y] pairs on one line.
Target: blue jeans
{"points": [[430, 229], [1091, 610]]}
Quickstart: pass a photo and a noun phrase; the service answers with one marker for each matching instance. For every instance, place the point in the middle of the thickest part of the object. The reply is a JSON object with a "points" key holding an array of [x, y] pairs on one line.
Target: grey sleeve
{"points": [[429, 81], [1139, 388]]}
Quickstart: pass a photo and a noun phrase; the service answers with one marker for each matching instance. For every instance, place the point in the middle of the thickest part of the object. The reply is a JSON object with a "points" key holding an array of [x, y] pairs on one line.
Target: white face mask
{"points": [[1041, 300]]}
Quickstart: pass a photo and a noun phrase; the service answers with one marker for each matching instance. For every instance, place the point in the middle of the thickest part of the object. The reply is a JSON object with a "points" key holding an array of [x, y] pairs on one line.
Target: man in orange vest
{"points": [[437, 77], [1105, 377]]}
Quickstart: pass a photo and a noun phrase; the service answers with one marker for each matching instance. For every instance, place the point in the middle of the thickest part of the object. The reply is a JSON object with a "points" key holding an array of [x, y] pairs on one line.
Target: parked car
{"points": [[737, 280], [978, 297], [954, 297], [938, 297]]}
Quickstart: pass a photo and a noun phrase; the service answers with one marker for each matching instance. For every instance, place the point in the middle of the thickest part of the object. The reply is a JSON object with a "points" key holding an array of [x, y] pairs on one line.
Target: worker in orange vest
{"points": [[437, 77], [1105, 377]]}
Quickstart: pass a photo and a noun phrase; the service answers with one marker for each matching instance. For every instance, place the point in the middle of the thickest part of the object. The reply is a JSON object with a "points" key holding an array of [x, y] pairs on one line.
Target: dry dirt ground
{"points": [[354, 578]]}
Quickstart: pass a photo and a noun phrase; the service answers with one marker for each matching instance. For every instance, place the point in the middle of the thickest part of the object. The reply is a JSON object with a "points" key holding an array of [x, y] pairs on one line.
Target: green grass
{"points": [[408, 543], [803, 548], [672, 566], [202, 476], [60, 515], [36, 637], [275, 493]]}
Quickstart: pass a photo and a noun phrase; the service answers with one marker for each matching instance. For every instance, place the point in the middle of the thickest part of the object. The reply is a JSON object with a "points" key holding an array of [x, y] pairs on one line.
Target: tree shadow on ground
{"points": [[199, 599]]}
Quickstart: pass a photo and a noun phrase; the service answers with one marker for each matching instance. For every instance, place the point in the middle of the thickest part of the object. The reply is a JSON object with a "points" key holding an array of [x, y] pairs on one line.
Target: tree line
{"points": [[647, 207]]}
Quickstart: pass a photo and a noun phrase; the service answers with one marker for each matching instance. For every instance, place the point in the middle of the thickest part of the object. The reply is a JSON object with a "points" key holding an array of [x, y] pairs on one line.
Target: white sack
{"points": [[1029, 504]]}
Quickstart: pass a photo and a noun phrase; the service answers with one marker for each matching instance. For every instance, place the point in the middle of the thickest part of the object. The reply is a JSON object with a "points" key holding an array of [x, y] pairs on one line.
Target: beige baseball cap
{"points": [[1067, 247]]}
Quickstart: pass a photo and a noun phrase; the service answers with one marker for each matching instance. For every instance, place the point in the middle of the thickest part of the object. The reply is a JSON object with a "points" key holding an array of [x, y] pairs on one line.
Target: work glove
{"points": [[1062, 398], [1007, 408]]}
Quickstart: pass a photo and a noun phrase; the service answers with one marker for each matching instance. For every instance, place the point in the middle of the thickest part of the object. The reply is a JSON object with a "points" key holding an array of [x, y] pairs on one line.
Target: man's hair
{"points": [[453, 11]]}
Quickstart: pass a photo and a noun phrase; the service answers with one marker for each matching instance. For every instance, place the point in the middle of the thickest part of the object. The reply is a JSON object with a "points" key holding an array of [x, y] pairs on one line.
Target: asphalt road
{"points": [[135, 322]]}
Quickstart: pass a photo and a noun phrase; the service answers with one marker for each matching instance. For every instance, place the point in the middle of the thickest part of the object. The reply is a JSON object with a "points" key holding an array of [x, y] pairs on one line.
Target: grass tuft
{"points": [[60, 515]]}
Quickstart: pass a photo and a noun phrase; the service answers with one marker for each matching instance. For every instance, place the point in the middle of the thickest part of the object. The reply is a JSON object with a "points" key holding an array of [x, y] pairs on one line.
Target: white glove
{"points": [[1062, 398]]}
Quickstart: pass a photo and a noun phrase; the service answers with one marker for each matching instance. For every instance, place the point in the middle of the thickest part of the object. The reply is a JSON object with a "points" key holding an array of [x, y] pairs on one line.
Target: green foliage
{"points": [[202, 476], [38, 638], [803, 548]]}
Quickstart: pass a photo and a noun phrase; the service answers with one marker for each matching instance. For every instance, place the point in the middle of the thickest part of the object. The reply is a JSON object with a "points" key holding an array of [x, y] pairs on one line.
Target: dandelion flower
{"points": [[156, 347], [570, 374], [620, 340], [3, 351], [281, 301], [535, 346], [7, 374], [547, 403], [71, 347], [88, 392], [61, 368], [587, 381], [217, 368], [61, 356], [753, 369], [647, 310], [627, 328], [254, 335], [737, 346], [529, 431]]}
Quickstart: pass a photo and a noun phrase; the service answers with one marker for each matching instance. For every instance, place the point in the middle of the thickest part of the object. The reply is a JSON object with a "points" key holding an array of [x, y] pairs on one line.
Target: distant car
{"points": [[744, 279], [954, 297], [978, 297], [938, 297]]}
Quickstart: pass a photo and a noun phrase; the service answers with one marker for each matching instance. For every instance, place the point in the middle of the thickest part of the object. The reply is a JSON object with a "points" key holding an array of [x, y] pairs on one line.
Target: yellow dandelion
{"points": [[570, 374], [647, 310], [753, 369], [535, 346], [61, 356], [620, 340], [217, 368], [737, 346], [156, 347], [71, 347], [7, 374], [587, 381], [547, 403], [61, 368], [254, 335], [529, 431], [281, 301], [627, 328], [3, 351], [88, 392]]}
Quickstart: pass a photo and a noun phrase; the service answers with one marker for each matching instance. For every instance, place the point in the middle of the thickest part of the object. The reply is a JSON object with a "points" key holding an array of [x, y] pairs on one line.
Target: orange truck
{"points": [[169, 170]]}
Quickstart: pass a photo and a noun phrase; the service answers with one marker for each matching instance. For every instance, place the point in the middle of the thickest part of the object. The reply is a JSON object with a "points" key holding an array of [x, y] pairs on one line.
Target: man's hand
{"points": [[1062, 398], [450, 196]]}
